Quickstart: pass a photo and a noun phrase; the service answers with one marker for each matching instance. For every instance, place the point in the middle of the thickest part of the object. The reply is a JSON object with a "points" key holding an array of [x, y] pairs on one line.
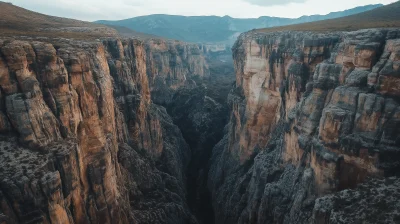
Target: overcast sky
{"points": [[91, 10]]}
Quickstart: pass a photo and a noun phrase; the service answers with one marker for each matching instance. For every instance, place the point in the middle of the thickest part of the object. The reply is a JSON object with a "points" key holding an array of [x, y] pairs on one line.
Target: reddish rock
{"points": [[71, 111]]}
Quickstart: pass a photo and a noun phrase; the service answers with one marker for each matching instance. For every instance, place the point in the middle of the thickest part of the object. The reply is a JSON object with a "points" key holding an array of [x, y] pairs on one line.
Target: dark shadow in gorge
{"points": [[201, 121], [201, 113]]}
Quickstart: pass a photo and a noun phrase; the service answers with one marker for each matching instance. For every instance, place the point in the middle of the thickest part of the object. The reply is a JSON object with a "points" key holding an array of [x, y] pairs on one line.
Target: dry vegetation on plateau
{"points": [[387, 16], [16, 21]]}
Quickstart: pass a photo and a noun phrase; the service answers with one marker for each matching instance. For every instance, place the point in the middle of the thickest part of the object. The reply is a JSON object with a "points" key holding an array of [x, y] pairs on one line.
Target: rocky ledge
{"points": [[312, 114]]}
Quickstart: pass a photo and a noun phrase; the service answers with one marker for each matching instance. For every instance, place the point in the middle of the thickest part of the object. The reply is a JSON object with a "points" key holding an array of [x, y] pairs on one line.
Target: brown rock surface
{"points": [[312, 114], [81, 140], [171, 65]]}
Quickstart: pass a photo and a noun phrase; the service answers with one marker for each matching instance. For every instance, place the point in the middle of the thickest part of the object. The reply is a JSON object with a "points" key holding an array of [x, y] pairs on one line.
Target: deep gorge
{"points": [[129, 131], [91, 145]]}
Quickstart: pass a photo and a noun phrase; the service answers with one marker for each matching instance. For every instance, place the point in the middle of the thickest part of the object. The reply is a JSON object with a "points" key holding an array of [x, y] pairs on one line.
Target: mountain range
{"points": [[214, 28]]}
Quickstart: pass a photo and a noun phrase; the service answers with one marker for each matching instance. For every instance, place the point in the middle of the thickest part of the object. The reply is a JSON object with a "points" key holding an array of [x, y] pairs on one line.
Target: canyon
{"points": [[83, 143], [97, 127], [313, 114]]}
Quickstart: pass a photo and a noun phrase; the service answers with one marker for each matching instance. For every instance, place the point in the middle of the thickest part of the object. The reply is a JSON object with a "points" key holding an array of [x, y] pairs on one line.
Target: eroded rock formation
{"points": [[313, 133], [312, 114], [81, 140], [171, 65]]}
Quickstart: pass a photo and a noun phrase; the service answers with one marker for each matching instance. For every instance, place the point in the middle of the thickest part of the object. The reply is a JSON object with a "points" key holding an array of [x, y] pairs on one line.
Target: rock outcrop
{"points": [[375, 201], [81, 141], [313, 134], [171, 65], [312, 114]]}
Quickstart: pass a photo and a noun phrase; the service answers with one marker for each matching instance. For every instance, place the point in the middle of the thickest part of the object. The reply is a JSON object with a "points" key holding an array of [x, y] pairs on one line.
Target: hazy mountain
{"points": [[215, 28]]}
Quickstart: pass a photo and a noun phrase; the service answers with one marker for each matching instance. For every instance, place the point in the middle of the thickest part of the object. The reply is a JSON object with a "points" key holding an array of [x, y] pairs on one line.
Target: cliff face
{"points": [[81, 141], [171, 65], [312, 114], [313, 133], [201, 120]]}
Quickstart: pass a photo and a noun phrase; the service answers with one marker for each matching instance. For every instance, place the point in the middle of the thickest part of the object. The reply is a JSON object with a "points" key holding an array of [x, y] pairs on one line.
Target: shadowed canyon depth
{"points": [[293, 124]]}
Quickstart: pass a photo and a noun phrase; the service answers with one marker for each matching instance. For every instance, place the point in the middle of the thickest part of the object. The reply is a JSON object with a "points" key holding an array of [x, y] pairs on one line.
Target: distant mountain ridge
{"points": [[215, 28], [387, 16]]}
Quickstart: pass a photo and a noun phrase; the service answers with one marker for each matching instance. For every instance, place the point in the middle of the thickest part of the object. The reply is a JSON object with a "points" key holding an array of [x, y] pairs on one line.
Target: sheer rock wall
{"points": [[81, 141], [312, 114]]}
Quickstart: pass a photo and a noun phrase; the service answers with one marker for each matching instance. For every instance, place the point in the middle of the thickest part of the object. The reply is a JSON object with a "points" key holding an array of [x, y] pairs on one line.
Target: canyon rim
{"points": [[102, 124]]}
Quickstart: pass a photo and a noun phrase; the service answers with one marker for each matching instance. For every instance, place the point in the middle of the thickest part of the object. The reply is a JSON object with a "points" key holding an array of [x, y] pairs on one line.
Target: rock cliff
{"points": [[313, 132], [312, 114], [171, 65], [81, 141]]}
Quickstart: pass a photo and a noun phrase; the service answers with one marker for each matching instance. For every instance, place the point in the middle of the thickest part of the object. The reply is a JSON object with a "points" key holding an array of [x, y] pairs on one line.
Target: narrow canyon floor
{"points": [[201, 113]]}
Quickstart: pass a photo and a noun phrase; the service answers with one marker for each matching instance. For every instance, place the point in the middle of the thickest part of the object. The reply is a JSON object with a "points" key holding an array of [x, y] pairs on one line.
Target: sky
{"points": [[91, 10]]}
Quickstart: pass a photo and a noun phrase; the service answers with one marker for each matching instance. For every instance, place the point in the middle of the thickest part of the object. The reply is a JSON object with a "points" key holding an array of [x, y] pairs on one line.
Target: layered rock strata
{"points": [[171, 65], [81, 141], [312, 114]]}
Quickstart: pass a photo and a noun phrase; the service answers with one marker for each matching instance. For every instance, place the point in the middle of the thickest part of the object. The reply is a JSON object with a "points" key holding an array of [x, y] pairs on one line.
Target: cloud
{"points": [[273, 2]]}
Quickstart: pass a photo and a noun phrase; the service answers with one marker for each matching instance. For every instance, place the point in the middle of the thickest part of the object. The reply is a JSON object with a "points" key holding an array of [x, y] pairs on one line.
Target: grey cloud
{"points": [[273, 2]]}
